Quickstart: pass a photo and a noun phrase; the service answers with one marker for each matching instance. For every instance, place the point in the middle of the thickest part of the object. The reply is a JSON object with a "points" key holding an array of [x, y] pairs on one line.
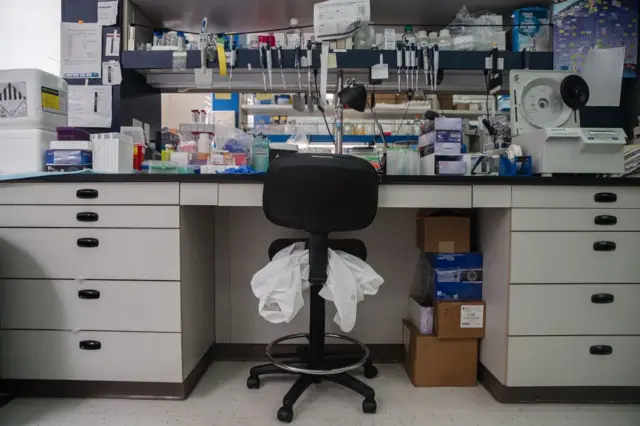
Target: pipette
{"points": [[269, 64], [296, 59], [407, 61], [232, 62], [425, 63], [414, 63], [203, 44], [284, 83], [399, 63], [263, 64], [436, 63], [309, 64]]}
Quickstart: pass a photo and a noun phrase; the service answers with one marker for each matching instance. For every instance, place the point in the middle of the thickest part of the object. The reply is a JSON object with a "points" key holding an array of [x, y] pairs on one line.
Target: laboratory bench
{"points": [[130, 285]]}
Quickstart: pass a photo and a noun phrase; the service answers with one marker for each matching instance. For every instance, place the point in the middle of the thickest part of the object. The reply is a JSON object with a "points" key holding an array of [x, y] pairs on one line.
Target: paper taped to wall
{"points": [[90, 106], [80, 50]]}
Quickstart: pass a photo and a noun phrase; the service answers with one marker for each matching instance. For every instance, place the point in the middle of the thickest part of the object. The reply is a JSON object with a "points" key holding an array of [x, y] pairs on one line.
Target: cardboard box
{"points": [[443, 234], [432, 362], [445, 101], [421, 316], [454, 276], [460, 320]]}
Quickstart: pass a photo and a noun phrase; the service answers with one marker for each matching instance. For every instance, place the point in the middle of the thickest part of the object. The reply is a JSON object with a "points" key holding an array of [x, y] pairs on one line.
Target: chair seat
{"points": [[352, 246]]}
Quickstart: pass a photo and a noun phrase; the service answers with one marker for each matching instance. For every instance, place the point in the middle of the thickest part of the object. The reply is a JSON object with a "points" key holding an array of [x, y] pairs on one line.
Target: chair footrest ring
{"points": [[312, 372]]}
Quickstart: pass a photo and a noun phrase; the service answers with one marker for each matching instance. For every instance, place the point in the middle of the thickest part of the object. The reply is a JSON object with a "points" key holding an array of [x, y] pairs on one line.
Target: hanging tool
{"points": [[309, 64], [296, 59], [425, 63], [414, 64], [232, 62], [263, 64], [279, 48], [430, 61], [269, 64], [407, 61], [436, 63], [204, 41], [399, 58]]}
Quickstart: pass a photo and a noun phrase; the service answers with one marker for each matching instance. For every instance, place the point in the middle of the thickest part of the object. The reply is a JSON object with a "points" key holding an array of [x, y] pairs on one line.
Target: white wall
{"points": [[30, 34], [176, 107]]}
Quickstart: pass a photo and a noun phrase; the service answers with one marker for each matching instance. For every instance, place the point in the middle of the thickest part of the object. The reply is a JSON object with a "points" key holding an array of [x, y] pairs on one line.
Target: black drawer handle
{"points": [[605, 219], [95, 294], [90, 345], [605, 197], [600, 350], [602, 298], [88, 242], [604, 246], [87, 194], [87, 217]]}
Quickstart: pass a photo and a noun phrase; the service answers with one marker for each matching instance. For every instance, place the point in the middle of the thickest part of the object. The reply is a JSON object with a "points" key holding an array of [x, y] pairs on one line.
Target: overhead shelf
{"points": [[346, 60], [462, 71], [383, 111]]}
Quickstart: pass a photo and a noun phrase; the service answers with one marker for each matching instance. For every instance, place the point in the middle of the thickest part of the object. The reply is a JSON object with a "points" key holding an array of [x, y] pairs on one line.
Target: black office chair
{"points": [[319, 193]]}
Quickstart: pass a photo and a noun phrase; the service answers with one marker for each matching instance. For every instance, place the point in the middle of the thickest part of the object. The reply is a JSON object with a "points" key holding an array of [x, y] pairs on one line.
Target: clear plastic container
{"points": [[422, 39], [444, 41]]}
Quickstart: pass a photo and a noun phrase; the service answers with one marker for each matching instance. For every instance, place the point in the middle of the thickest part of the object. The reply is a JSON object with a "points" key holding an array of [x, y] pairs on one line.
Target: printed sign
{"points": [[13, 100]]}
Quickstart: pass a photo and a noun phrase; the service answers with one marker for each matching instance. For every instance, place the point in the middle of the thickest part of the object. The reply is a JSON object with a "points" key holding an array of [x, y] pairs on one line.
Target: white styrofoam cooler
{"points": [[23, 151], [32, 99]]}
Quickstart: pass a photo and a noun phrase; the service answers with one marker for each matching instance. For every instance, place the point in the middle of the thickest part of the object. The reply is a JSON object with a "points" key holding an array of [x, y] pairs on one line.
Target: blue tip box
{"points": [[455, 276]]}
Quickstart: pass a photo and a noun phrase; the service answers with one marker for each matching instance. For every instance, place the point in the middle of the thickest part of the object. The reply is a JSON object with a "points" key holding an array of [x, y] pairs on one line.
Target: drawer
{"points": [[121, 254], [574, 257], [576, 197], [574, 309], [575, 219], [240, 194], [568, 361], [425, 196], [57, 355], [200, 194], [90, 305], [90, 216], [90, 193]]}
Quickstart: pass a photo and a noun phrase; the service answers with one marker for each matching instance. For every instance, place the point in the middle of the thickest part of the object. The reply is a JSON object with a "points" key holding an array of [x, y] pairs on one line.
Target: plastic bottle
{"points": [[422, 39], [293, 35], [166, 153], [260, 154], [408, 37], [444, 41], [182, 40], [433, 37], [157, 38]]}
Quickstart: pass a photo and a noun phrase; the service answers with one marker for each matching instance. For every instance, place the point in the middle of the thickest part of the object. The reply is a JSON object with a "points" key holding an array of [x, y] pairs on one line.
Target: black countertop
{"points": [[384, 180]]}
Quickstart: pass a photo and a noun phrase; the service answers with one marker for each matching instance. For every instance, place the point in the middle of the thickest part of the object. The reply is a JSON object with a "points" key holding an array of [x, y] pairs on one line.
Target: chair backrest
{"points": [[321, 193]]}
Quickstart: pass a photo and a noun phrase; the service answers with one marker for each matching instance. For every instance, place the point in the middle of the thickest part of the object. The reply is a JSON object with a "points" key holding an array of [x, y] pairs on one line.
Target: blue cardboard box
{"points": [[455, 276]]}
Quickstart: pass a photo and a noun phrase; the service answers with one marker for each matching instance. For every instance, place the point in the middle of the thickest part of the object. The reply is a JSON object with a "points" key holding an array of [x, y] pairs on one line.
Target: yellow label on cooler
{"points": [[53, 101]]}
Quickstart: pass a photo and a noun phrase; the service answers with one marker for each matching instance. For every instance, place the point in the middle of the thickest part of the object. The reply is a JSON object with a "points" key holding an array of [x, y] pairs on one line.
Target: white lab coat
{"points": [[279, 285]]}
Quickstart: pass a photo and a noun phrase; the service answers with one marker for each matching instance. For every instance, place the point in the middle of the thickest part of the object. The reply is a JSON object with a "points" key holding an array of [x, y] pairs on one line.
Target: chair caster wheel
{"points": [[253, 382], [369, 406], [285, 414], [370, 371]]}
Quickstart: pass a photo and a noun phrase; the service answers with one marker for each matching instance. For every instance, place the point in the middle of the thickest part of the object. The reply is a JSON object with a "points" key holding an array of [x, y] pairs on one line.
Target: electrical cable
{"points": [[320, 107], [406, 110]]}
